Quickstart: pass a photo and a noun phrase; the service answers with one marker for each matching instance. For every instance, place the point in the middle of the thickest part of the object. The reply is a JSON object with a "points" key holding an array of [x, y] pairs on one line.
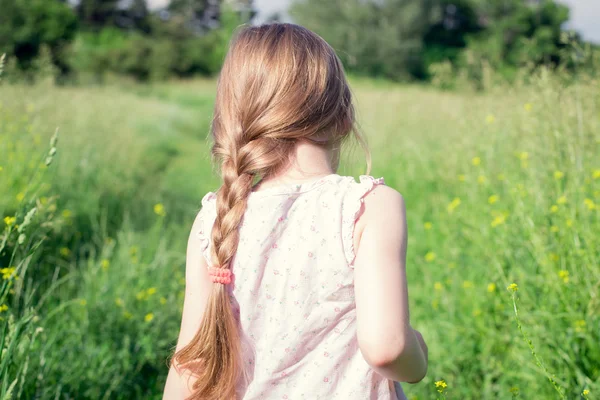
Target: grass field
{"points": [[501, 188]]}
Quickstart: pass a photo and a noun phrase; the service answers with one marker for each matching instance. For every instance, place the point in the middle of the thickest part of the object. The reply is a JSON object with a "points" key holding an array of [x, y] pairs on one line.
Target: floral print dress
{"points": [[294, 292]]}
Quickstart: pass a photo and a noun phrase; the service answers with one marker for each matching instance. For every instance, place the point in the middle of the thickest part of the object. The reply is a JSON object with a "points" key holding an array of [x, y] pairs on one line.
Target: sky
{"points": [[585, 14]]}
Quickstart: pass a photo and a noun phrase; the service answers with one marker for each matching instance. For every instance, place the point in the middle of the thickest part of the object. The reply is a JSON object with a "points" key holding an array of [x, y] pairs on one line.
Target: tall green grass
{"points": [[501, 188]]}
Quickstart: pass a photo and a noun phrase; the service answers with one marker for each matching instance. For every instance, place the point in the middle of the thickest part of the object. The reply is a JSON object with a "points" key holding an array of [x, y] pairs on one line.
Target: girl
{"points": [[295, 278]]}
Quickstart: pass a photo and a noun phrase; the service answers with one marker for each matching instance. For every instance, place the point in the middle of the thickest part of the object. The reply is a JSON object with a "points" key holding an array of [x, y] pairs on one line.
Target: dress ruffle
{"points": [[351, 209], [206, 216]]}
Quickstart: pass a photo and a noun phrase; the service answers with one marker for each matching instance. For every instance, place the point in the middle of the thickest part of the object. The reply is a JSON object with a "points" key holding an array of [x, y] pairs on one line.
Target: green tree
{"points": [[516, 32], [382, 38], [27, 25], [98, 14], [447, 36]]}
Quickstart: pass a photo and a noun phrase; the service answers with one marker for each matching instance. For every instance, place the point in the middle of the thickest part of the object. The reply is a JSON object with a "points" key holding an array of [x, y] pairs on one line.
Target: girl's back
{"points": [[294, 292], [277, 304]]}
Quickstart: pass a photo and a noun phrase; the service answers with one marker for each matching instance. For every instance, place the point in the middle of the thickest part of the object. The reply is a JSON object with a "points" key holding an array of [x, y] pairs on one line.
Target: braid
{"points": [[232, 198], [256, 158]]}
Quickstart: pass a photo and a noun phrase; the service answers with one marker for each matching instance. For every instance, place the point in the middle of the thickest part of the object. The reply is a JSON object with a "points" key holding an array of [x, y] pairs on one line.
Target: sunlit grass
{"points": [[501, 188]]}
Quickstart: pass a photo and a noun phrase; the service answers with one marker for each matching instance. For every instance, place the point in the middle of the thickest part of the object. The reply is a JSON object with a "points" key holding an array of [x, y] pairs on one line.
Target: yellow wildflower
{"points": [[561, 200], [527, 107], [20, 196], [589, 203], [491, 287], [453, 204], [554, 228], [66, 213], [569, 222], [476, 161], [481, 179], [438, 286], [151, 291], [580, 325], [585, 392], [105, 264], [159, 209], [554, 208], [10, 220], [596, 174], [65, 252], [462, 178], [564, 275], [558, 175], [440, 385], [467, 284], [512, 287], [149, 317], [523, 156], [8, 273], [119, 302], [3, 307], [429, 257], [1, 168], [492, 199], [490, 119], [427, 225], [499, 220]]}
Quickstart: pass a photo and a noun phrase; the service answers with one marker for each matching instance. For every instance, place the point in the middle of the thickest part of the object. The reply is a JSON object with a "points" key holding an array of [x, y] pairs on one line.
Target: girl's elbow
{"points": [[419, 374], [381, 355]]}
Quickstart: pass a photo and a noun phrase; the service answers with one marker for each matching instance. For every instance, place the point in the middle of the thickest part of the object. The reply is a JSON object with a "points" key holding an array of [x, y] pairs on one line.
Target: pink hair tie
{"points": [[220, 275]]}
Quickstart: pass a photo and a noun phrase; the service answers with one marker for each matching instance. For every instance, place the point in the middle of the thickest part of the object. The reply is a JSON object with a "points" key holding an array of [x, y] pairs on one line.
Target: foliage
{"points": [[389, 42], [115, 37], [403, 38], [28, 25], [398, 39], [516, 34], [168, 51], [95, 15]]}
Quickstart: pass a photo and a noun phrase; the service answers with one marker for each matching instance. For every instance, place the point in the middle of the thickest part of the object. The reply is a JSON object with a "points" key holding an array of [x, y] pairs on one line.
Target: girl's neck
{"points": [[309, 162]]}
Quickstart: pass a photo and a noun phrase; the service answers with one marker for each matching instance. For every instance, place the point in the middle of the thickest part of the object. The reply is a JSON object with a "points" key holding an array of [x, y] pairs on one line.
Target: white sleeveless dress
{"points": [[294, 292]]}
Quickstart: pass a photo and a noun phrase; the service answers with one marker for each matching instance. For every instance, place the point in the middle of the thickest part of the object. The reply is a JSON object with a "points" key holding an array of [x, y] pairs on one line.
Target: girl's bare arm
{"points": [[386, 339], [197, 289]]}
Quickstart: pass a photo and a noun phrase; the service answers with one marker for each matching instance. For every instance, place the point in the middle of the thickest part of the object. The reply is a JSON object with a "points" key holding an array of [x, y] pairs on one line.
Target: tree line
{"points": [[95, 37], [395, 39]]}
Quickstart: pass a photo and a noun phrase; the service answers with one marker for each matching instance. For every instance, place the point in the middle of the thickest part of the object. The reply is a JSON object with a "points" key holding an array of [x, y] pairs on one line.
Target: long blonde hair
{"points": [[280, 83]]}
